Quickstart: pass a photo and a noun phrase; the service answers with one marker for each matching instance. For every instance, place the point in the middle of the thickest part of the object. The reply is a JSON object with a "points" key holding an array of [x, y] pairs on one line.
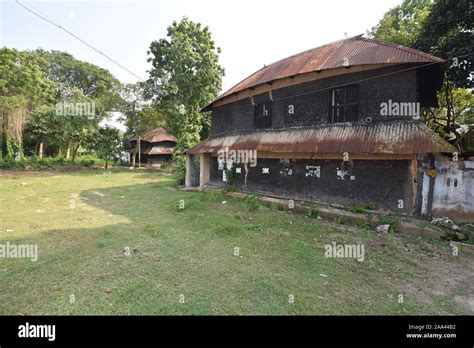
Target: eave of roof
{"points": [[157, 150], [396, 137]]}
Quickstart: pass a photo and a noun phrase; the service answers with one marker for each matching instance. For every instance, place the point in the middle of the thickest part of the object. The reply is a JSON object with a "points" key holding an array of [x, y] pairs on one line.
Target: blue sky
{"points": [[250, 33]]}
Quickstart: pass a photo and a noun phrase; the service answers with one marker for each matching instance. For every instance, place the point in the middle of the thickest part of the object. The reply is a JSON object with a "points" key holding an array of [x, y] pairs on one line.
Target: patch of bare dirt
{"points": [[448, 275], [455, 278]]}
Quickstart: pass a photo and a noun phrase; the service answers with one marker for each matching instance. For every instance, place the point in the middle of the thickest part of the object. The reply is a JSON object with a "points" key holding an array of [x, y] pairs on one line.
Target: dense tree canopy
{"points": [[448, 33], [443, 28], [77, 84], [107, 144], [185, 77], [404, 23], [23, 87]]}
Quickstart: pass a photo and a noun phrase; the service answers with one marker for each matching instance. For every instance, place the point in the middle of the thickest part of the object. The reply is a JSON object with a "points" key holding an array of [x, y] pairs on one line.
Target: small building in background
{"points": [[156, 148]]}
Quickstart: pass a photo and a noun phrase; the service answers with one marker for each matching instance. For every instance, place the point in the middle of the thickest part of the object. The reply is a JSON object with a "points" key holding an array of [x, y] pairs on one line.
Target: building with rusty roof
{"points": [[156, 147], [339, 123]]}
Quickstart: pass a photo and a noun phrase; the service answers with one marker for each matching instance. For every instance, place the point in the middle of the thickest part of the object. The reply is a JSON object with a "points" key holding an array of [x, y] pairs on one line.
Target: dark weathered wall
{"points": [[164, 144], [312, 108], [150, 159], [382, 183], [145, 144]]}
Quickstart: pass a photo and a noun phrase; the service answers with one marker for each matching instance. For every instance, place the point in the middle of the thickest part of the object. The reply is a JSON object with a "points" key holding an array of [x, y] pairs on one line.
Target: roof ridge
{"points": [[297, 54], [332, 53], [311, 49], [403, 48]]}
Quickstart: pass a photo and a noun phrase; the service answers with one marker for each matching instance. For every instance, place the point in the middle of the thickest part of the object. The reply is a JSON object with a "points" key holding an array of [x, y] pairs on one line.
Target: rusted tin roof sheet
{"points": [[397, 137], [353, 51], [156, 135], [156, 150]]}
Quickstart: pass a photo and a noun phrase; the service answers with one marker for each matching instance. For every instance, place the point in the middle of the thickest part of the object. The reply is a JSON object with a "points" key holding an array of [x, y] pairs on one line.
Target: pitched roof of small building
{"points": [[157, 135], [354, 51], [396, 137], [157, 150]]}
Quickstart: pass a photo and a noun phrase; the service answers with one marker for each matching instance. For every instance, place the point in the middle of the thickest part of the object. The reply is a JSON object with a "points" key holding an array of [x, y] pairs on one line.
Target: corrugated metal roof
{"points": [[353, 51], [396, 137], [156, 135], [157, 150]]}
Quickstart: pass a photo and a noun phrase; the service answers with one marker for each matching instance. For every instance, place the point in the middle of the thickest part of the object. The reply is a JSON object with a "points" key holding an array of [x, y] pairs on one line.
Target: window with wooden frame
{"points": [[344, 104], [263, 115]]}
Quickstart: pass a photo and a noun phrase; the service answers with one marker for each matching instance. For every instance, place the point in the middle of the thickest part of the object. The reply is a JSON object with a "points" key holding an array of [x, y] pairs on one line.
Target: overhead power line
{"points": [[79, 39]]}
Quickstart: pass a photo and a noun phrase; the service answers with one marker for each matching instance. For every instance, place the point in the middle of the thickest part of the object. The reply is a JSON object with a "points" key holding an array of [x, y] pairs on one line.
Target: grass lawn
{"points": [[83, 220]]}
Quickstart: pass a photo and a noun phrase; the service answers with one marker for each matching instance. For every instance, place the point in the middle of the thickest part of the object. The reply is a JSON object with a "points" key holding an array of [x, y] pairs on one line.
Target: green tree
{"points": [[443, 28], [131, 107], [42, 127], [139, 114], [68, 73], [77, 129], [448, 33], [404, 23], [185, 77], [133, 102], [79, 82], [107, 144], [23, 87], [151, 117]]}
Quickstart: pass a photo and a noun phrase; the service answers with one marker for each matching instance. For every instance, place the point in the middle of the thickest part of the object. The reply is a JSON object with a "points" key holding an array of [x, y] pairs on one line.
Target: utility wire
{"points": [[79, 39], [236, 106]]}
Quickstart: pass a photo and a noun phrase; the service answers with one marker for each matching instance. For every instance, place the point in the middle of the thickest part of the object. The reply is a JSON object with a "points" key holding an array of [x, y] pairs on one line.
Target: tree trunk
{"points": [[139, 152], [132, 157], [4, 134], [40, 150], [75, 151], [68, 152]]}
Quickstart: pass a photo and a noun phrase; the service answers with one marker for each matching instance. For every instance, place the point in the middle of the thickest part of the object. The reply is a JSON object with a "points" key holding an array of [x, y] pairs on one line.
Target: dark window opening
{"points": [[344, 104], [263, 115]]}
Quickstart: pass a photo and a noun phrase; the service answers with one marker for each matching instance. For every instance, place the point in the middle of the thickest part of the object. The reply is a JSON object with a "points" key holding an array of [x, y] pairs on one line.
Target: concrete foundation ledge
{"points": [[403, 224]]}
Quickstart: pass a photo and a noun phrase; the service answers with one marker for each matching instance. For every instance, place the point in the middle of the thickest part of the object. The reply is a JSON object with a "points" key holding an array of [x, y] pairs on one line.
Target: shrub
{"points": [[89, 160], [255, 227], [48, 162], [393, 221], [212, 196], [314, 214], [9, 163], [251, 203], [354, 207]]}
